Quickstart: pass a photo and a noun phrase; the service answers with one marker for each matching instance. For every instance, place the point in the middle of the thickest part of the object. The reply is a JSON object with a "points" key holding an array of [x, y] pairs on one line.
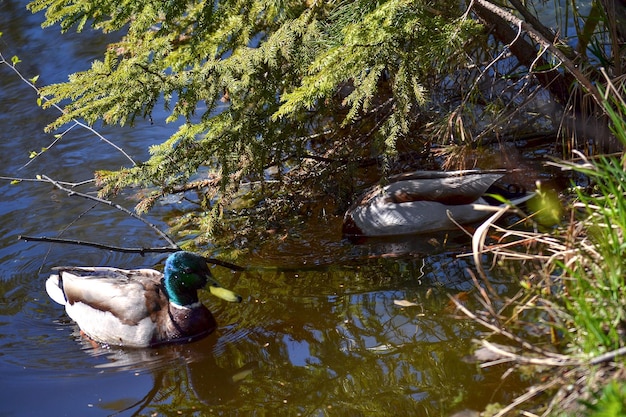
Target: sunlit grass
{"points": [[610, 402], [569, 317], [595, 290]]}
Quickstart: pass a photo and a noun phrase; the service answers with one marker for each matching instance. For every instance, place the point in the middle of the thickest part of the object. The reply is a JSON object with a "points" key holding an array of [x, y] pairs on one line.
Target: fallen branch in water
{"points": [[141, 251]]}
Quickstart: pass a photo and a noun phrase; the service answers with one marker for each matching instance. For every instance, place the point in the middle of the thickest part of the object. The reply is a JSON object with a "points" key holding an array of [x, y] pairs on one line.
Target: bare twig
{"points": [[548, 44], [77, 122], [511, 336], [605, 357], [57, 138], [65, 183], [532, 392], [67, 226], [112, 204], [225, 264], [529, 360], [66, 186]]}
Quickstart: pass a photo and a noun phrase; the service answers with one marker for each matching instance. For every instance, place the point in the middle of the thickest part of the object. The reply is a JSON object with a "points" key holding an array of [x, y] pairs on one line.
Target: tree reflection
{"points": [[306, 349]]}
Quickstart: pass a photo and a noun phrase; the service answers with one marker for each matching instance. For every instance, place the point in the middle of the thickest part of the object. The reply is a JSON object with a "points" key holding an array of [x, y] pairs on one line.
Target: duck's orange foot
{"points": [[92, 342]]}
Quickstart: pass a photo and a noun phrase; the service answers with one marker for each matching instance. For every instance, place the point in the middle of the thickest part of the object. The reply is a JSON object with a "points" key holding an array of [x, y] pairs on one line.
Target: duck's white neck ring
{"points": [[186, 307]]}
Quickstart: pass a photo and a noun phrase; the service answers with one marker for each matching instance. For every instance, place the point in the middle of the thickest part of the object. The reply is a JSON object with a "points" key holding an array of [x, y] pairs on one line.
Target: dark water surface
{"points": [[319, 331]]}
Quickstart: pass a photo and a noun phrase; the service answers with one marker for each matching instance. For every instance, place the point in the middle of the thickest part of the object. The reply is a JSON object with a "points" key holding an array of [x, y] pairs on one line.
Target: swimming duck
{"points": [[424, 201], [140, 307]]}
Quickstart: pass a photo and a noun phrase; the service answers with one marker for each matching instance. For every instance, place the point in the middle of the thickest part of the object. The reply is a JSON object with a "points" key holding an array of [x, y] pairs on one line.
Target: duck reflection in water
{"points": [[181, 374]]}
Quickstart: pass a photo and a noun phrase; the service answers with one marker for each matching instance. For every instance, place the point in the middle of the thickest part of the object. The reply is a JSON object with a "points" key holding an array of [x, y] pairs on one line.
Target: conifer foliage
{"points": [[256, 84]]}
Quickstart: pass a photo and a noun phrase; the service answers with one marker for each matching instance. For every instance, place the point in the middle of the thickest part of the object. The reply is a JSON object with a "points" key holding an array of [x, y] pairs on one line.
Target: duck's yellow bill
{"points": [[225, 294]]}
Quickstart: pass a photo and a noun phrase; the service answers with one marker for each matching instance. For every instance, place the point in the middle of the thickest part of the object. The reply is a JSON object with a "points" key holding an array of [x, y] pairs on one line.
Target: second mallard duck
{"points": [[139, 307], [424, 201]]}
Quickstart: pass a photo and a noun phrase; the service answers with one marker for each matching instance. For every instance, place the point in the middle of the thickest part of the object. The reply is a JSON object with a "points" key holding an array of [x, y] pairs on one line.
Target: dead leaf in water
{"points": [[404, 303], [460, 298], [487, 354]]}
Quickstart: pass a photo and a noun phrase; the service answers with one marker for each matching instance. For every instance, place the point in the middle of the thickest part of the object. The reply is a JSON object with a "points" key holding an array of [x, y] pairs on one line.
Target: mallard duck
{"points": [[424, 201], [140, 307]]}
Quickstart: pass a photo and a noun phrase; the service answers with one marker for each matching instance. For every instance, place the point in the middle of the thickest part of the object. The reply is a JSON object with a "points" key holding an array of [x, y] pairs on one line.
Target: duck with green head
{"points": [[139, 307]]}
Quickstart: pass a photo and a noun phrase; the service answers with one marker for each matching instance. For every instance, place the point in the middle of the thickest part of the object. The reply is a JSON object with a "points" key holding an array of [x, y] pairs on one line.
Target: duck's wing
{"points": [[429, 175], [464, 187], [129, 295]]}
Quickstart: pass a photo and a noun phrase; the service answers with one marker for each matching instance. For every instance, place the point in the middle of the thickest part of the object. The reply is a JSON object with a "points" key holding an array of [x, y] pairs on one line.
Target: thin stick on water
{"points": [[141, 251]]}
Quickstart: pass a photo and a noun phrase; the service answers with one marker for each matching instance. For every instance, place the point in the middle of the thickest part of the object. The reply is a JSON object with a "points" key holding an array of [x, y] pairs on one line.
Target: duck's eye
{"points": [[188, 270]]}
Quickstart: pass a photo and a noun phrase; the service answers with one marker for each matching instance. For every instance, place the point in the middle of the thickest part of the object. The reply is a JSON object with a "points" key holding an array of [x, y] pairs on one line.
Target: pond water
{"points": [[319, 332]]}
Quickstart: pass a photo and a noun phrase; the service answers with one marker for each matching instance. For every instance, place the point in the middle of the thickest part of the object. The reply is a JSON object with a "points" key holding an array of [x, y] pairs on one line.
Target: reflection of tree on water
{"points": [[307, 349], [345, 369]]}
